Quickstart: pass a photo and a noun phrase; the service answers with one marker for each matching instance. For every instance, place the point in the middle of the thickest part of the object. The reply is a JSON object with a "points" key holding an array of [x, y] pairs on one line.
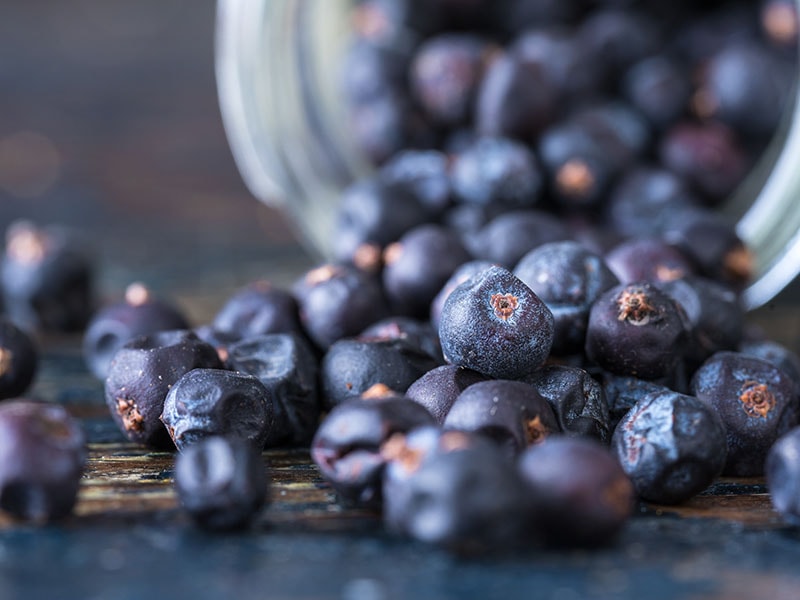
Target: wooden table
{"points": [[108, 109]]}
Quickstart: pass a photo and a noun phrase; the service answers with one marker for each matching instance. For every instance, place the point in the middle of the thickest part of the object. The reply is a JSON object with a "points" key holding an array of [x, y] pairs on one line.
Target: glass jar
{"points": [[277, 66]]}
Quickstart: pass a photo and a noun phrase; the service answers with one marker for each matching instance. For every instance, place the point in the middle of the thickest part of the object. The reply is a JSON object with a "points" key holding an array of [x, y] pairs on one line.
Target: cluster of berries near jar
{"points": [[533, 318]]}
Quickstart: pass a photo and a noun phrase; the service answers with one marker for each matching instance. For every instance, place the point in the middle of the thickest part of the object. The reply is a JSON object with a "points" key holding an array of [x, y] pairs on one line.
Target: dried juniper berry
{"points": [[512, 413], [19, 360], [620, 132], [671, 445], [426, 173], [467, 500], [217, 402], [221, 483], [577, 494], [577, 400], [337, 301], [220, 340], [142, 373], [347, 445], [411, 279], [494, 324], [647, 259], [459, 276], [288, 368], [643, 198], [619, 37], [709, 156], [258, 308], [376, 211], [780, 22], [445, 74], [709, 240], [352, 365], [747, 87], [782, 474], [497, 170], [417, 333], [756, 401], [42, 458], [568, 278], [636, 329], [47, 278], [516, 99], [438, 389], [373, 70], [715, 315], [509, 236], [112, 326], [660, 88], [623, 392]]}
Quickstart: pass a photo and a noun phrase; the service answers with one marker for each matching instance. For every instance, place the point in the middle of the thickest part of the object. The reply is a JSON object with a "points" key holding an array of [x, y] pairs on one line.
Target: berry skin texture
{"points": [[638, 330], [756, 401], [671, 445], [782, 473], [140, 376], [42, 458], [494, 324], [214, 402], [221, 483], [438, 389]]}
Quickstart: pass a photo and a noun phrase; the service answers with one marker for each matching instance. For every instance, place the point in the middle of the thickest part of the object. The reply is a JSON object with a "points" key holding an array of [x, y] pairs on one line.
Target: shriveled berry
{"points": [[256, 309], [216, 402], [577, 400], [287, 367], [42, 457], [347, 447], [671, 445], [494, 324], [221, 482], [142, 373]]}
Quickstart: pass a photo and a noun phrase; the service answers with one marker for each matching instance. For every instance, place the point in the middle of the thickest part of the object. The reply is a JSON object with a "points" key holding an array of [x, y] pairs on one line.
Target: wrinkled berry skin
{"points": [[438, 389], [287, 367], [337, 301], [782, 473], [494, 324], [512, 413], [638, 330], [351, 366], [257, 309], [756, 401], [623, 392], [347, 447], [142, 373], [468, 501], [19, 360], [568, 278], [114, 325], [210, 402], [42, 458], [671, 445], [577, 493], [577, 400], [221, 483]]}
